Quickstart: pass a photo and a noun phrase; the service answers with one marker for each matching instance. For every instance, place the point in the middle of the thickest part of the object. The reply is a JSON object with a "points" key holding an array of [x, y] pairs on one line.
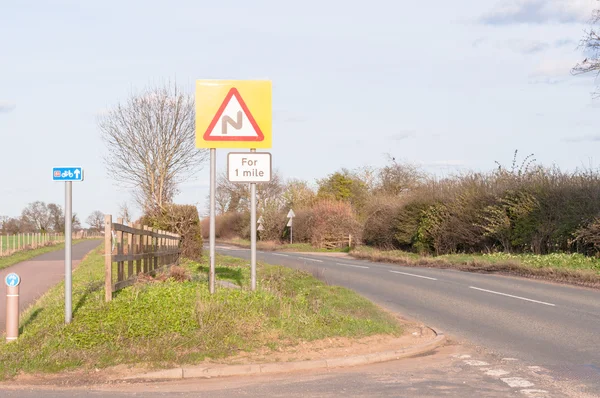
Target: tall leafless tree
{"points": [[591, 47], [151, 144], [38, 216], [124, 212], [96, 220]]}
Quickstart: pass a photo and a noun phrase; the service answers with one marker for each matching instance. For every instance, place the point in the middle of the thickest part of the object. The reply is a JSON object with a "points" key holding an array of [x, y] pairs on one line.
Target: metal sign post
{"points": [[213, 179], [290, 224], [253, 233], [68, 175]]}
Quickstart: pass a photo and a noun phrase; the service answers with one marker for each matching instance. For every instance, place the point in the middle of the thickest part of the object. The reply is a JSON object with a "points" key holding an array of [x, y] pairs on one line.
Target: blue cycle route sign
{"points": [[67, 174], [12, 280]]}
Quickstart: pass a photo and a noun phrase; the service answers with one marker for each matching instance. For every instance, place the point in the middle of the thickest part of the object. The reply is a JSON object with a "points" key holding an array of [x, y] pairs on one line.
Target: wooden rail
{"points": [[144, 250]]}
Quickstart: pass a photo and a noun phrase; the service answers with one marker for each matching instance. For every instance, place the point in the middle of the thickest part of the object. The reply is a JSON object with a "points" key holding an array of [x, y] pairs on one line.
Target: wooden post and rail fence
{"points": [[130, 250], [13, 243]]}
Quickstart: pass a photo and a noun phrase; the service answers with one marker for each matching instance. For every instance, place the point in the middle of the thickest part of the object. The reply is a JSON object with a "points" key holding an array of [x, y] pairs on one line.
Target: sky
{"points": [[450, 86]]}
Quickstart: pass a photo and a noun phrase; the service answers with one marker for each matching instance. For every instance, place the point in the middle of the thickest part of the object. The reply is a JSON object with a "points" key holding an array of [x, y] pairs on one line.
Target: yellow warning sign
{"points": [[233, 114]]}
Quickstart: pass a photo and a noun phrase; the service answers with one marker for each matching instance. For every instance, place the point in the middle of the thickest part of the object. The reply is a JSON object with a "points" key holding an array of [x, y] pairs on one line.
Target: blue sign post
{"points": [[12, 280], [68, 175]]}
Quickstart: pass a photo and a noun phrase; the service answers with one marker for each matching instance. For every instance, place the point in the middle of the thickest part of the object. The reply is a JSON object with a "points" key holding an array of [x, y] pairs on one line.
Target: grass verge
{"points": [[28, 254], [275, 246], [573, 269], [172, 319]]}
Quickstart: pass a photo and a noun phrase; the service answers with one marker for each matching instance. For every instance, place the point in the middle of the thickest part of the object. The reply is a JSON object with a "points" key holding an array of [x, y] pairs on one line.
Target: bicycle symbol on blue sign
{"points": [[12, 280], [67, 174]]}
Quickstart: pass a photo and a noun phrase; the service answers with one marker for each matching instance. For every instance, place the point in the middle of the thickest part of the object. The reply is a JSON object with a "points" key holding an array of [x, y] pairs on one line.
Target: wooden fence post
{"points": [[120, 264], [138, 250], [108, 258], [130, 252]]}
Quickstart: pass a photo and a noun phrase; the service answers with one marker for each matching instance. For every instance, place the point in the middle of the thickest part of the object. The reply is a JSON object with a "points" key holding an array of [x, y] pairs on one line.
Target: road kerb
{"points": [[282, 367]]}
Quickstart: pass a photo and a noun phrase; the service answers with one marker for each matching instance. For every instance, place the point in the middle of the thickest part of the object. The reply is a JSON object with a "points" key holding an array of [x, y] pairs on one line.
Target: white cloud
{"points": [[401, 135], [585, 138], [443, 163], [539, 11], [6, 107], [553, 68]]}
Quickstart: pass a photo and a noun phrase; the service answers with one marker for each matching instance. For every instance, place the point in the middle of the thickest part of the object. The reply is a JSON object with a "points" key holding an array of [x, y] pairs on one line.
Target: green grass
{"points": [[28, 254], [568, 268], [168, 323], [11, 241], [296, 247], [555, 260]]}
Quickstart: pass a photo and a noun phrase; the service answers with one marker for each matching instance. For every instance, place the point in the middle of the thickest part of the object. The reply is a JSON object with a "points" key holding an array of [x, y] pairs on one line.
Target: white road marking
{"points": [[535, 368], [311, 259], [535, 393], [351, 265], [517, 382], [473, 362], [510, 295], [497, 372], [279, 254], [459, 356], [418, 276], [509, 359]]}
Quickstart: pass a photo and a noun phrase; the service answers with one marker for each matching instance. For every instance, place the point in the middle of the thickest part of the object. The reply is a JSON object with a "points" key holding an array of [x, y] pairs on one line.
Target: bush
{"points": [[333, 221], [182, 220], [380, 222]]}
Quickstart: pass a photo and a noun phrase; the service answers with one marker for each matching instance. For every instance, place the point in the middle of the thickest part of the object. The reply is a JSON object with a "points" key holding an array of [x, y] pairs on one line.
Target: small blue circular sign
{"points": [[12, 280]]}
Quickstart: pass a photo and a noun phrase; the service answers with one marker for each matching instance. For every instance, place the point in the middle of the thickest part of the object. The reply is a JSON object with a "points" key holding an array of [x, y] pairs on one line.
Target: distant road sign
{"points": [[12, 280], [249, 167], [233, 114], [67, 174]]}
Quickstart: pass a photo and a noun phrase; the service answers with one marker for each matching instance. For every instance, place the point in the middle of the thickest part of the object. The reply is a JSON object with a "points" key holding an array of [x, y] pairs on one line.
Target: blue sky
{"points": [[447, 85]]}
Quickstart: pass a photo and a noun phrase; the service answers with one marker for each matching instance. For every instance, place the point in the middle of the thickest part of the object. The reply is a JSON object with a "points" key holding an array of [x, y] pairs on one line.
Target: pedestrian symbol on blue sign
{"points": [[12, 280], [67, 174]]}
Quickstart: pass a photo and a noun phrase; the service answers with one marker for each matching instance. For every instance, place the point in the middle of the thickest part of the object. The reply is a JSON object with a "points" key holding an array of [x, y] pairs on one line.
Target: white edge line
{"points": [[350, 265], [418, 276], [279, 254], [510, 295], [311, 259]]}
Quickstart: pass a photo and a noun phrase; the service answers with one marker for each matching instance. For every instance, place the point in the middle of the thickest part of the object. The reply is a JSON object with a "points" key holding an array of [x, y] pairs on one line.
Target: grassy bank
{"points": [[174, 321], [276, 246], [29, 254], [567, 268]]}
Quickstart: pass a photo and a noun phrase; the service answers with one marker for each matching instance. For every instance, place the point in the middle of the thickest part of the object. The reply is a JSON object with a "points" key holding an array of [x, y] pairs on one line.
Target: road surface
{"points": [[39, 274], [552, 326]]}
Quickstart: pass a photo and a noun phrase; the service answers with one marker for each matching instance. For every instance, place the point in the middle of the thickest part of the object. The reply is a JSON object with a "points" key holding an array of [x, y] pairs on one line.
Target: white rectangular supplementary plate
{"points": [[249, 167]]}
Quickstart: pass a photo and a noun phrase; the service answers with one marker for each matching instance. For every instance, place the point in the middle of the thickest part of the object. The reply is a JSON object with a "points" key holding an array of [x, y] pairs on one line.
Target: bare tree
{"points": [[37, 215], [57, 217], [591, 46], [124, 212], [235, 197], [96, 220], [151, 144]]}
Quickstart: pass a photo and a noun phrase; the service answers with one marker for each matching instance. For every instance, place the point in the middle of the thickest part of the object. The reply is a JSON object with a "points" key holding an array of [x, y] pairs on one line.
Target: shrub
{"points": [[182, 220], [333, 221]]}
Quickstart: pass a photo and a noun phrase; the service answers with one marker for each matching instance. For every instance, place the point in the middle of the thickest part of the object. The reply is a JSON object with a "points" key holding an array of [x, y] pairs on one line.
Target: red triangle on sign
{"points": [[234, 121]]}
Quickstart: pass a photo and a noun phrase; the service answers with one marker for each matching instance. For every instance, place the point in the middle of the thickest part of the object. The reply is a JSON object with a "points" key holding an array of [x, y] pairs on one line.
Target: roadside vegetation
{"points": [[171, 319], [279, 246], [525, 218]]}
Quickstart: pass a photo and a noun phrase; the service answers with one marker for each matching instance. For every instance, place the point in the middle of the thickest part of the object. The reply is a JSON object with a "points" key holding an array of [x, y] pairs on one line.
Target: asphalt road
{"points": [[41, 273], [552, 326]]}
